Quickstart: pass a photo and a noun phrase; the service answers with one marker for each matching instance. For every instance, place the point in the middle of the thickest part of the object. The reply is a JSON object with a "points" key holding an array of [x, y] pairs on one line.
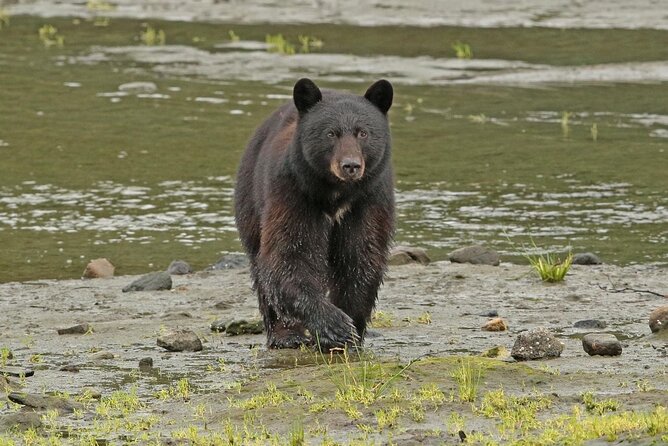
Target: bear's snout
{"points": [[352, 168], [347, 164]]}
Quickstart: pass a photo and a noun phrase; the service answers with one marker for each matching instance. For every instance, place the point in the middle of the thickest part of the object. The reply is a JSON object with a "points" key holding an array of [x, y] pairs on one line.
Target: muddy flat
{"points": [[408, 385]]}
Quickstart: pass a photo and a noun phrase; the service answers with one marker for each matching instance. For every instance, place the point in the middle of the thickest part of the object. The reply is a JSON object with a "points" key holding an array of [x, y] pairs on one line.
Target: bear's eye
{"points": [[331, 134], [362, 134]]}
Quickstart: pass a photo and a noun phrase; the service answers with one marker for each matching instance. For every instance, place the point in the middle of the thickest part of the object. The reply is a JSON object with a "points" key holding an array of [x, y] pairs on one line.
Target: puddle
{"points": [[263, 66]]}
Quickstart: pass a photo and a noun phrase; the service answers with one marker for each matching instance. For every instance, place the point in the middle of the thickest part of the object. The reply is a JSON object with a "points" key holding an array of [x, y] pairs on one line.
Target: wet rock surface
{"points": [[602, 344], [21, 421], [157, 281], [590, 323], [47, 402], [586, 258], [658, 319], [476, 255], [182, 340], [230, 261], [179, 267], [402, 255], [75, 329], [538, 343], [146, 363], [99, 269]]}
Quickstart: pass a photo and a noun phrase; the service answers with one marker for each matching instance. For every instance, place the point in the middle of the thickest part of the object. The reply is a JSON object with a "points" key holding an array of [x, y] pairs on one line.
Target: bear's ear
{"points": [[380, 94], [305, 94]]}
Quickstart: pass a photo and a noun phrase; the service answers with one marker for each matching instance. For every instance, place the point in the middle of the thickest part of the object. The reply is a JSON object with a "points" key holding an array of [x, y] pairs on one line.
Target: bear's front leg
{"points": [[292, 279], [358, 254]]}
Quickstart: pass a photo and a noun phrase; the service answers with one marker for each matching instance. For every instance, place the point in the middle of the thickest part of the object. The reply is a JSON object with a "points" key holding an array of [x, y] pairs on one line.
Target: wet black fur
{"points": [[317, 277]]}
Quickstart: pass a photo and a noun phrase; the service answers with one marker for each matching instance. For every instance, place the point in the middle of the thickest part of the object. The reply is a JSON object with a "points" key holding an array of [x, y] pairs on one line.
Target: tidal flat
{"points": [[427, 373]]}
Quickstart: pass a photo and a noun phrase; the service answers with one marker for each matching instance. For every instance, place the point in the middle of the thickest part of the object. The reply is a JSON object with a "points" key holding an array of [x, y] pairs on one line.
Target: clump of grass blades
{"points": [[468, 376], [549, 267]]}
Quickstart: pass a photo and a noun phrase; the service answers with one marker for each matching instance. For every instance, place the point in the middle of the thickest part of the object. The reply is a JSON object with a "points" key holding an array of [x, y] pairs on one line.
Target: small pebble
{"points": [[102, 355], [496, 324], [99, 269], [538, 343], [160, 280], [658, 319], [402, 255], [586, 258], [180, 340], [489, 313], [230, 261], [146, 363], [179, 267], [602, 344], [476, 254], [76, 329], [590, 324]]}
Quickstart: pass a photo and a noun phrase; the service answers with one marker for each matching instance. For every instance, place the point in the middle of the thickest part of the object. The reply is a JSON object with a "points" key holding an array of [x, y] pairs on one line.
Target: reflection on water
{"points": [[194, 212], [197, 213]]}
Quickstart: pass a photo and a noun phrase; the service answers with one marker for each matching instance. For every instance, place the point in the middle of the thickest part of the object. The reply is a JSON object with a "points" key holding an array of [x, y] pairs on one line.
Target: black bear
{"points": [[314, 206]]}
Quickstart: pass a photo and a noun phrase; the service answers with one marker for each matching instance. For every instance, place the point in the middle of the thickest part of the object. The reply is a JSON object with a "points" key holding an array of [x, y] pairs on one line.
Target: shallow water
{"points": [[566, 147]]}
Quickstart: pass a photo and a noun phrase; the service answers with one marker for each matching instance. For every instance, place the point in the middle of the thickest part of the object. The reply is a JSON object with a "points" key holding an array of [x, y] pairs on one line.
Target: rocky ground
{"points": [[429, 313]]}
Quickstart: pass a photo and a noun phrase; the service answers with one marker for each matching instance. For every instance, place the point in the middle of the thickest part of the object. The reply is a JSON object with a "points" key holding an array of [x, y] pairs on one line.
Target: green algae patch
{"points": [[355, 398]]}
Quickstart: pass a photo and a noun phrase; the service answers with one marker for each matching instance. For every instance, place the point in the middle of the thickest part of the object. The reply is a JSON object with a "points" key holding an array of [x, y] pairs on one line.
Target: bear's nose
{"points": [[351, 167]]}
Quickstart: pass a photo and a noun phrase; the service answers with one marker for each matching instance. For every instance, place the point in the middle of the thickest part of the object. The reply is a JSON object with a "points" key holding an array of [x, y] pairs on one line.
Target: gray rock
{"points": [[230, 261], [75, 329], [658, 319], [179, 267], [102, 355], [586, 258], [476, 254], [602, 344], [242, 326], [489, 313], [590, 323], [536, 344], [21, 421], [401, 255], [160, 280], [146, 363], [138, 87], [180, 341], [99, 269], [46, 402]]}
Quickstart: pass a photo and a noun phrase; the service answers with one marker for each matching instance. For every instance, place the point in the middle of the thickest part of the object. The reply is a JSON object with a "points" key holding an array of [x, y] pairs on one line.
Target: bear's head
{"points": [[343, 137]]}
